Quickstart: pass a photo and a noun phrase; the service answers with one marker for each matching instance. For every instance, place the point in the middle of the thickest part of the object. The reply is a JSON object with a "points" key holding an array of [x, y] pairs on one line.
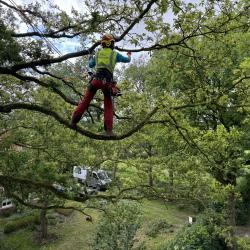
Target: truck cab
{"points": [[98, 179]]}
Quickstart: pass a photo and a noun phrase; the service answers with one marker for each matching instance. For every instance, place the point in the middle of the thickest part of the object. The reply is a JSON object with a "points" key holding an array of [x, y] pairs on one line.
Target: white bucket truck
{"points": [[97, 179]]}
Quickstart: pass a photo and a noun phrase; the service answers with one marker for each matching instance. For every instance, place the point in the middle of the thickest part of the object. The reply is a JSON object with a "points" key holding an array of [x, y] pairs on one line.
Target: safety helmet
{"points": [[107, 39]]}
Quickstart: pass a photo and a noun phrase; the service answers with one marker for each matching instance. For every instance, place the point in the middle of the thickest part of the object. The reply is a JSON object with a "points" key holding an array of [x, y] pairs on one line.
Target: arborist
{"points": [[104, 62]]}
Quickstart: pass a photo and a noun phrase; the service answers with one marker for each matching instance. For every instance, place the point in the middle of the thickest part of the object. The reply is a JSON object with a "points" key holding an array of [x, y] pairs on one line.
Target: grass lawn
{"points": [[75, 233], [155, 210]]}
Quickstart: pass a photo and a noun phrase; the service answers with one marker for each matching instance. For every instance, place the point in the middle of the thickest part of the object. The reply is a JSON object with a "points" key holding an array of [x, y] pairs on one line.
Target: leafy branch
{"points": [[7, 108]]}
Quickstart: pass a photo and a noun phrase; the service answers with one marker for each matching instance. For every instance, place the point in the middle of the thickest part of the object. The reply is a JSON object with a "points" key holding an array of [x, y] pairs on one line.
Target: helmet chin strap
{"points": [[108, 43]]}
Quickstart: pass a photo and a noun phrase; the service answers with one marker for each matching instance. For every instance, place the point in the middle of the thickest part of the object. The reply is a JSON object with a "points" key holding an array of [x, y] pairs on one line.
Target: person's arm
{"points": [[123, 59], [92, 62]]}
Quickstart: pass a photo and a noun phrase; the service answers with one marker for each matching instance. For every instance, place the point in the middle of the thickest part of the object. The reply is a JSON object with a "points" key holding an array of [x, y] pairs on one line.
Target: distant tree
{"points": [[118, 227]]}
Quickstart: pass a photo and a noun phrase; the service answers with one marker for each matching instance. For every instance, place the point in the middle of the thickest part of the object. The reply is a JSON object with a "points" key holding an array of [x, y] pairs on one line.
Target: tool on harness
{"points": [[115, 91]]}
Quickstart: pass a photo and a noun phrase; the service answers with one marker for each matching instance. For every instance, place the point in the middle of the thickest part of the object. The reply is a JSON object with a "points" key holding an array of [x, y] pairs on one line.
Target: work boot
{"points": [[73, 125], [109, 133], [75, 119]]}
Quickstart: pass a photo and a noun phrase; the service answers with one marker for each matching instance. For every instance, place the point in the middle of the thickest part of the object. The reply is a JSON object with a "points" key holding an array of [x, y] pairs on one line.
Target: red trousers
{"points": [[89, 95]]}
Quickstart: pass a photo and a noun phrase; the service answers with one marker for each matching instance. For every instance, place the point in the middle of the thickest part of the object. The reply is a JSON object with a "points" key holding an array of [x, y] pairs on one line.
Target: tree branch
{"points": [[136, 20], [38, 206], [5, 70], [7, 108], [46, 85], [5, 181]]}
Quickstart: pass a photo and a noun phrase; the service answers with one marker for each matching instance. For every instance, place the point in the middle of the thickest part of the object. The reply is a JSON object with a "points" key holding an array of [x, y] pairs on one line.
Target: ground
{"points": [[75, 232]]}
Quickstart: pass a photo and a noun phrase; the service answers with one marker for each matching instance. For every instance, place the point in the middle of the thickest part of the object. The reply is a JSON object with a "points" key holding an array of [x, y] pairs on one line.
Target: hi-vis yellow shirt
{"points": [[106, 59]]}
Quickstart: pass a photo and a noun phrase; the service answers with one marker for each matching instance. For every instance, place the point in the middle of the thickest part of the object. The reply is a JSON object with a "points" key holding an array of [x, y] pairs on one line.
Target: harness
{"points": [[105, 64], [112, 88]]}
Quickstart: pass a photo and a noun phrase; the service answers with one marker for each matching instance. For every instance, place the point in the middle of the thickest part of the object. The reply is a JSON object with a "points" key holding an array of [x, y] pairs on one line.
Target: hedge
{"points": [[20, 223]]}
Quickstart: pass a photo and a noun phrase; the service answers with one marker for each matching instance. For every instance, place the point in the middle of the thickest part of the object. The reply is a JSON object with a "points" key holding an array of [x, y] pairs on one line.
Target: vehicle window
{"points": [[9, 202], [78, 170], [103, 175], [95, 176], [4, 204]]}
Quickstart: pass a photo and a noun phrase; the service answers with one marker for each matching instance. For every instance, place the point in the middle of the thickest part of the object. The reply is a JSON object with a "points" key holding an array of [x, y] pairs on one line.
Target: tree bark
{"points": [[232, 219], [171, 184], [114, 172], [150, 175], [44, 224]]}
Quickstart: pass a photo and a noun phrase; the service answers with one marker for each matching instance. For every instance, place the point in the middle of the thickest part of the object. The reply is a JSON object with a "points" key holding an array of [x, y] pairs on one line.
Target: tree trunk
{"points": [[171, 184], [150, 176], [232, 219], [114, 173], [44, 223]]}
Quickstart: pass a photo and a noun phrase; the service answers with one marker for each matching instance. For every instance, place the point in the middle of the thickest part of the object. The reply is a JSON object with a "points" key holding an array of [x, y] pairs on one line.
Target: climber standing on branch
{"points": [[104, 62]]}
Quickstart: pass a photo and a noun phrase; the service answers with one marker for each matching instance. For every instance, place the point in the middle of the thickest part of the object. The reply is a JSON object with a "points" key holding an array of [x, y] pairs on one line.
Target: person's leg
{"points": [[108, 112], [84, 104]]}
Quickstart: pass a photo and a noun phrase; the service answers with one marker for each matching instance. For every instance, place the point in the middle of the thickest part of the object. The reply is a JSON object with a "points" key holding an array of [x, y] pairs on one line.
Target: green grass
{"points": [[156, 209], [75, 233], [22, 239], [153, 210]]}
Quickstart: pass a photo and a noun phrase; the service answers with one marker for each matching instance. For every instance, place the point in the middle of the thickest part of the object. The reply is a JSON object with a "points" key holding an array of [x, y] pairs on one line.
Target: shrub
{"points": [[158, 226], [243, 205], [20, 223], [117, 228], [7, 212], [243, 244], [205, 234], [3, 245]]}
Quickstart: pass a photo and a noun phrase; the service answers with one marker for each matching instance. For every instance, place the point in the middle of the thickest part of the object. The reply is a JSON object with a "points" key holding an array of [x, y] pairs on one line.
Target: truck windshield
{"points": [[102, 175]]}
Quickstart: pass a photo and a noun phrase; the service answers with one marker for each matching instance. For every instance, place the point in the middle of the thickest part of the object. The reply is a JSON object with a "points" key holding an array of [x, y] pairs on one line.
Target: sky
{"points": [[63, 4], [70, 45], [66, 45]]}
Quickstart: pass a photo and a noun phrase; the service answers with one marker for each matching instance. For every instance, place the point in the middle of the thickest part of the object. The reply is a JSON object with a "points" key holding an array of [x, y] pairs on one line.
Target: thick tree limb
{"points": [[52, 34], [46, 85], [5, 181], [7, 108], [57, 91], [34, 205]]}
